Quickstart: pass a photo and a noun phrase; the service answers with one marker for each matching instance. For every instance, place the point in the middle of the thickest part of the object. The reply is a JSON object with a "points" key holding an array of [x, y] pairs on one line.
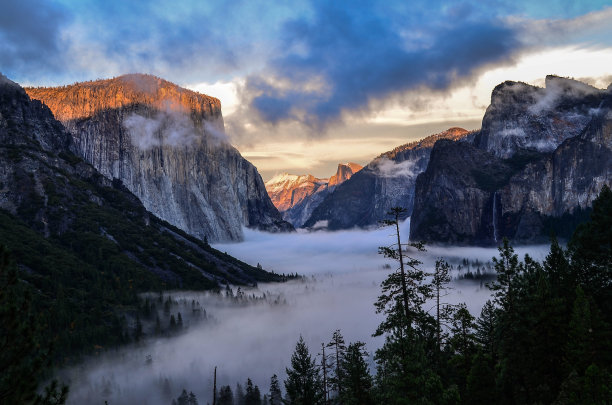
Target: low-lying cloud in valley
{"points": [[342, 273]]}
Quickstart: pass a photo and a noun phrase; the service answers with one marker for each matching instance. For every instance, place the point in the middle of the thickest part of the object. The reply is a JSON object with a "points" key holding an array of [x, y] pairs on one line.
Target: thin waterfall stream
{"points": [[494, 220]]}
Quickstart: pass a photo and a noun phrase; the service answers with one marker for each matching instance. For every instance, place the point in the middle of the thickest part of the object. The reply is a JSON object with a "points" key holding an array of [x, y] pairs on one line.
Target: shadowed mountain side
{"points": [[522, 116], [387, 181]]}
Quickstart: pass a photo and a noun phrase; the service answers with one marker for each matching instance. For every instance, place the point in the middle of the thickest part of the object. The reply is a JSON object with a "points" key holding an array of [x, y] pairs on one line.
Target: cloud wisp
{"points": [[171, 128]]}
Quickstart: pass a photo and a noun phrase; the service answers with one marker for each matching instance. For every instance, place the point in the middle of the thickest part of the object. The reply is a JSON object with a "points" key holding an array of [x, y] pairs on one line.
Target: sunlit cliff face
{"points": [[85, 99], [167, 145]]}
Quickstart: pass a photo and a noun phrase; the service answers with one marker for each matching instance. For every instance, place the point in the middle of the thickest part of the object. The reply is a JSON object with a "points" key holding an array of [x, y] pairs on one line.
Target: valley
{"points": [[305, 203]]}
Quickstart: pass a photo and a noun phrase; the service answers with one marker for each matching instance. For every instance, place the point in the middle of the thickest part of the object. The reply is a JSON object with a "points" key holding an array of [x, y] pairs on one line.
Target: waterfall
{"points": [[495, 217]]}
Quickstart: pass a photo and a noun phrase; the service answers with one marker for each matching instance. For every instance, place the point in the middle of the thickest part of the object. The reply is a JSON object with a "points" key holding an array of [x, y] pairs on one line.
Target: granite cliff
{"points": [[167, 146], [84, 247], [297, 196], [535, 167], [386, 182]]}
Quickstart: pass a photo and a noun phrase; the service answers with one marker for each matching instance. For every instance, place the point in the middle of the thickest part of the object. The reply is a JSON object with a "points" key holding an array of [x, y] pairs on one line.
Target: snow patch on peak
{"points": [[281, 178]]}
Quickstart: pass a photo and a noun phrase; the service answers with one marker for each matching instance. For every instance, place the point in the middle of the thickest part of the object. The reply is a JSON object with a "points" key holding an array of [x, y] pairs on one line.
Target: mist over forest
{"points": [[254, 336]]}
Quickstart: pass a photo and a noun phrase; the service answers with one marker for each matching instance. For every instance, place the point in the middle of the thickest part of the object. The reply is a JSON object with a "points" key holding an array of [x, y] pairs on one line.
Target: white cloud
{"points": [[226, 91], [389, 168]]}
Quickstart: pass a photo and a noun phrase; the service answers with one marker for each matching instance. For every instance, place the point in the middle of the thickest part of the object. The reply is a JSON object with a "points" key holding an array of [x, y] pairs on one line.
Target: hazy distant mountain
{"points": [[167, 145], [386, 182], [296, 196], [541, 157]]}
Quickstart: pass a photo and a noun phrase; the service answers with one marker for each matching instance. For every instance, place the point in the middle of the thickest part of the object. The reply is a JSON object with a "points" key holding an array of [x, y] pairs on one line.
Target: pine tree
{"points": [[239, 395], [276, 396], [192, 400], [226, 397], [580, 344], [462, 326], [556, 265], [485, 329], [338, 347], [324, 370], [507, 268], [481, 381], [183, 399], [404, 374], [303, 385], [590, 249], [252, 395], [408, 270], [356, 378], [439, 282]]}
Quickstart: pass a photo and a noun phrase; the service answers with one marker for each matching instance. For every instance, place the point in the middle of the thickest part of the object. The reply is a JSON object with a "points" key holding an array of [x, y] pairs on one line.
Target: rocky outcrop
{"points": [[24, 121], [74, 217], [470, 194], [297, 196], [522, 116], [166, 144], [345, 171], [388, 181]]}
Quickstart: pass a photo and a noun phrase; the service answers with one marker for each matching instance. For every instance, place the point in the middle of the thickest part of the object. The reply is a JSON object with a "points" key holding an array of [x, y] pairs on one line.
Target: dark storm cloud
{"points": [[344, 58], [30, 37], [78, 40], [177, 42]]}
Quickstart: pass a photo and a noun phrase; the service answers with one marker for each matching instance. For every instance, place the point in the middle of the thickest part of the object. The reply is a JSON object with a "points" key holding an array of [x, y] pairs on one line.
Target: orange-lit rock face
{"points": [[85, 99], [344, 172], [287, 190]]}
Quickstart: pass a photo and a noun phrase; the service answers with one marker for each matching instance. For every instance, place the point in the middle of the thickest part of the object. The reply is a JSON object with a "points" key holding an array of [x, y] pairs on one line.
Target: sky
{"points": [[307, 84]]}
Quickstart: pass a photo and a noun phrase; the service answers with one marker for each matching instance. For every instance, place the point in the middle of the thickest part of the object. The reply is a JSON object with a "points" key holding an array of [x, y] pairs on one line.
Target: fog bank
{"points": [[343, 274]]}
